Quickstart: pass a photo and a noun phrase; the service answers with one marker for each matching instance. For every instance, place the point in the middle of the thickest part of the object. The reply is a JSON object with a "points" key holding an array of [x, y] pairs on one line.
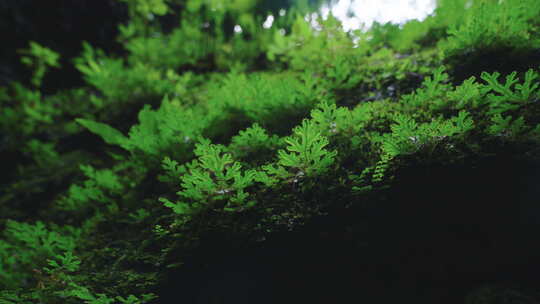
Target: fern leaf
{"points": [[109, 134]]}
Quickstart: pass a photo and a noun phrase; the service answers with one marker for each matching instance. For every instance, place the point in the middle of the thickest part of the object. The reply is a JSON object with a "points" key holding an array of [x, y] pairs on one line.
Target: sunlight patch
{"points": [[358, 14]]}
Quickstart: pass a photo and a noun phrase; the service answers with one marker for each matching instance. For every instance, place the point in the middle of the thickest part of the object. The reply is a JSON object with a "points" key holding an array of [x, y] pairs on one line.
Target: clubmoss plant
{"points": [[213, 178], [40, 59], [220, 128]]}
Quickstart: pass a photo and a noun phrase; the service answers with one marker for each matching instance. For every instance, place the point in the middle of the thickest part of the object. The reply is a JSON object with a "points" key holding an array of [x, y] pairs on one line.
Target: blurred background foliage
{"points": [[62, 27], [122, 27]]}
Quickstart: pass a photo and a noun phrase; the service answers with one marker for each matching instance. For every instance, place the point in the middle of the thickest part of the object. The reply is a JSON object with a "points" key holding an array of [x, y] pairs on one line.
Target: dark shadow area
{"points": [[442, 234], [61, 26], [391, 89], [503, 60]]}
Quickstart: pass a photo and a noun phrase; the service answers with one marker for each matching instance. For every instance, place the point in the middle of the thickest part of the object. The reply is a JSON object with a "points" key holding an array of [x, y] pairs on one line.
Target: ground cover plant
{"points": [[225, 159]]}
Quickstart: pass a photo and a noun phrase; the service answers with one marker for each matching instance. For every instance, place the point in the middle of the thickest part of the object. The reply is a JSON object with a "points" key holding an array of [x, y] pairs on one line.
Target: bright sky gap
{"points": [[360, 14]]}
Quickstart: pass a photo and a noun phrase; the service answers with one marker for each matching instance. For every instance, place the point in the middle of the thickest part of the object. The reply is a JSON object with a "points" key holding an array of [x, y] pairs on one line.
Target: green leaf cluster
{"points": [[432, 92], [254, 144], [212, 178], [409, 137], [44, 153], [437, 95], [187, 44], [148, 7], [97, 188], [40, 59], [506, 126], [305, 153], [489, 25], [24, 110], [241, 123], [171, 127], [275, 101], [511, 94], [329, 51], [26, 246], [119, 82]]}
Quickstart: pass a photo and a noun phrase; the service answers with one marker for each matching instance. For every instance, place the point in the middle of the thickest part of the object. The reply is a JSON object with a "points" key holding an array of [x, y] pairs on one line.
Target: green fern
{"points": [[254, 144], [305, 153], [214, 176], [331, 120], [493, 24], [274, 101], [40, 59], [120, 82], [149, 7], [409, 137], [512, 94], [170, 128], [27, 246], [99, 187], [505, 127], [467, 95], [109, 134], [431, 96]]}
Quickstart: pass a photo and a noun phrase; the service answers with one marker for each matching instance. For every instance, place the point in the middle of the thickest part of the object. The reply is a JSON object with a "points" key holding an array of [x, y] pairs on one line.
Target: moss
{"points": [[345, 165]]}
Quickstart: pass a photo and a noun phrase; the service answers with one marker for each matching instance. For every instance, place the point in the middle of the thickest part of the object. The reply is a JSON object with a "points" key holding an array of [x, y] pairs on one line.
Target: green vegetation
{"points": [[206, 128]]}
